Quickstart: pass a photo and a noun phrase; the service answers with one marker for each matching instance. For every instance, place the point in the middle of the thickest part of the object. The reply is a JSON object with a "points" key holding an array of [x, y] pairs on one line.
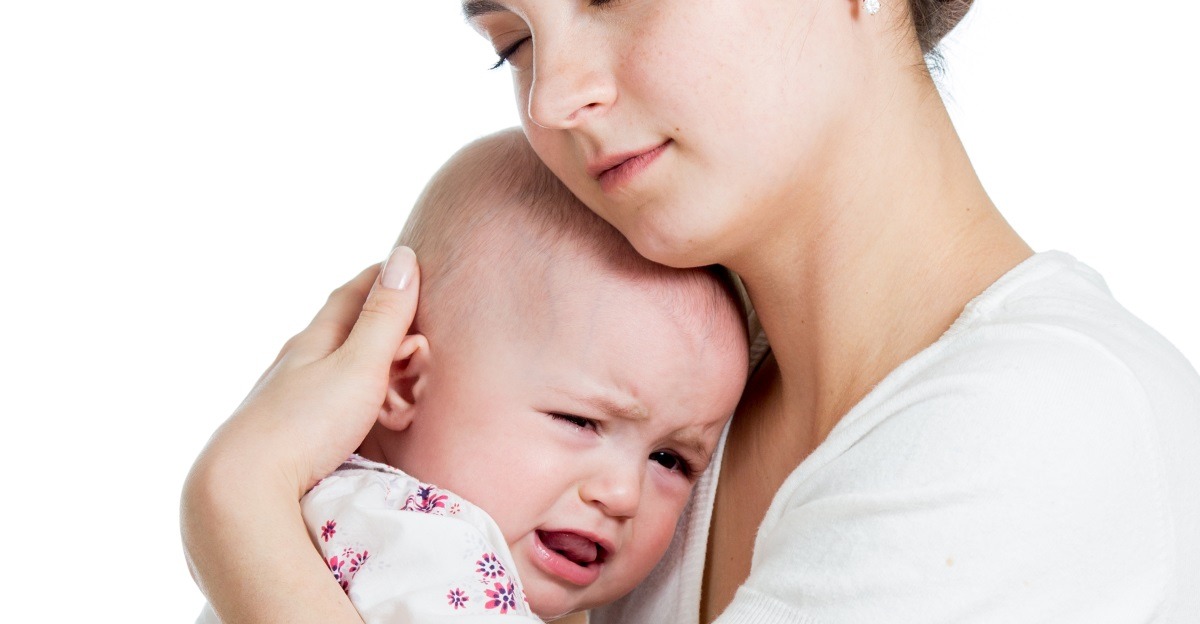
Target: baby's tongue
{"points": [[570, 545]]}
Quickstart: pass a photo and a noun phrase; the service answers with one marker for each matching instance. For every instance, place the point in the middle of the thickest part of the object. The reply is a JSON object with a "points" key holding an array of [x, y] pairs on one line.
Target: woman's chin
{"points": [[677, 250]]}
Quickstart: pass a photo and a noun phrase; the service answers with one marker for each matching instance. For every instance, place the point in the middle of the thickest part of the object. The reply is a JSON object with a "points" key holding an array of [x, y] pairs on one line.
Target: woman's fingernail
{"points": [[398, 270]]}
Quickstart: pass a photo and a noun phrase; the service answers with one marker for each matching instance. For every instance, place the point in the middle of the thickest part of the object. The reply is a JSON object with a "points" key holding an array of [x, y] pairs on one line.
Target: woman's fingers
{"points": [[329, 328], [387, 313]]}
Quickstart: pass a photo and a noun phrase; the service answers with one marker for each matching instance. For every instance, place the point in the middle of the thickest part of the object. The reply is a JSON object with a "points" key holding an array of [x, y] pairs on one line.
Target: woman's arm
{"points": [[243, 534], [250, 555]]}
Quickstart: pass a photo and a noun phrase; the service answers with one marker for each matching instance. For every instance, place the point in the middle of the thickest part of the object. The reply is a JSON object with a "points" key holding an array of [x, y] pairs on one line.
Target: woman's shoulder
{"points": [[1050, 340], [1049, 336], [1053, 302], [1049, 432], [1044, 355]]}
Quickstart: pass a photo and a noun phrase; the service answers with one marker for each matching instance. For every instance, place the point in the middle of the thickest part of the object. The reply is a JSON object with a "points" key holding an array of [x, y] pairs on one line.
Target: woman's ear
{"points": [[410, 369]]}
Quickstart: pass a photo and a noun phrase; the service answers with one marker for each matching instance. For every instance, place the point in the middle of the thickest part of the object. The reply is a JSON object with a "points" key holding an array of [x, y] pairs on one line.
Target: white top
{"points": [[408, 552], [1039, 462]]}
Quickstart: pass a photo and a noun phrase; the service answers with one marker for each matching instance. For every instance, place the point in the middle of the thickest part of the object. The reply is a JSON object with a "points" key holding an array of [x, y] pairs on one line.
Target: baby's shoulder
{"points": [[363, 483], [398, 545]]}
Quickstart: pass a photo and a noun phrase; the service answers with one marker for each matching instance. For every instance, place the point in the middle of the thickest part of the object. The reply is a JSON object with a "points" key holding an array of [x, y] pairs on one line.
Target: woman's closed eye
{"points": [[510, 50], [506, 52]]}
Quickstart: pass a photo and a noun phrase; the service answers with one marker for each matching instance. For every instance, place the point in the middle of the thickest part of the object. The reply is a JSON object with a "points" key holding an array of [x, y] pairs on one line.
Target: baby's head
{"points": [[570, 388]]}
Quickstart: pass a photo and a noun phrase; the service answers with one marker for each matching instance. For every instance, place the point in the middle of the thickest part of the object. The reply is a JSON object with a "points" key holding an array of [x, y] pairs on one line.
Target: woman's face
{"points": [[690, 125]]}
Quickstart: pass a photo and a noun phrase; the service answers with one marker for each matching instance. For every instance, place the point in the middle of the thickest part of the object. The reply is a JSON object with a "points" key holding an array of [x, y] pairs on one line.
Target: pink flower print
{"points": [[427, 500], [458, 598], [335, 566], [341, 573], [328, 530], [490, 567], [455, 508], [357, 561], [504, 598]]}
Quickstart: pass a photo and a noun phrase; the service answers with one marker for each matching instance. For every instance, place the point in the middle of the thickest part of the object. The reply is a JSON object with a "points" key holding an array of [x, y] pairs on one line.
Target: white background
{"points": [[181, 183]]}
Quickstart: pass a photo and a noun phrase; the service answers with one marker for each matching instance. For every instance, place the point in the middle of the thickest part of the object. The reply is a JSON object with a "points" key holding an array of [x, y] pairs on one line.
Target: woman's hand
{"points": [[240, 515], [317, 401]]}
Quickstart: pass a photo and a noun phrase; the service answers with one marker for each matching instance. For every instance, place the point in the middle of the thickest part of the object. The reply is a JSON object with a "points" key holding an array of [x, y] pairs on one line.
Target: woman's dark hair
{"points": [[934, 18]]}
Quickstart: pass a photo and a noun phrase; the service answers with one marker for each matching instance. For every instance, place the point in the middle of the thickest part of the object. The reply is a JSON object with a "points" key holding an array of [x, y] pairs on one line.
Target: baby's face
{"points": [[581, 431]]}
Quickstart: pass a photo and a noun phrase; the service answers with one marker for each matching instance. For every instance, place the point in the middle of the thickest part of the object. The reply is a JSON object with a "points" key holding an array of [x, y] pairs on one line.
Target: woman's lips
{"points": [[562, 567], [627, 167]]}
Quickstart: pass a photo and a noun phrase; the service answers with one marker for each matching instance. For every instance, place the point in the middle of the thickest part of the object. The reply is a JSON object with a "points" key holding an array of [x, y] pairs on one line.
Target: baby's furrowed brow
{"points": [[610, 406]]}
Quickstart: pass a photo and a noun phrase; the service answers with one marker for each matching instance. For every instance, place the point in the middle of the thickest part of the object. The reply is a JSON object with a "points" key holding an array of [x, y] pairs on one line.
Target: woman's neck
{"points": [[903, 236]]}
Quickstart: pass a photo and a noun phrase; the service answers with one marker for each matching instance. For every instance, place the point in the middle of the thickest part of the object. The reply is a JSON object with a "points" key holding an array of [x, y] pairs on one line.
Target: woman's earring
{"points": [[872, 6]]}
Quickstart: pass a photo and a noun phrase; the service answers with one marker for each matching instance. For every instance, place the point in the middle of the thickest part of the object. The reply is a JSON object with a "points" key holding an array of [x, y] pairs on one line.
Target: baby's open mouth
{"points": [[578, 549]]}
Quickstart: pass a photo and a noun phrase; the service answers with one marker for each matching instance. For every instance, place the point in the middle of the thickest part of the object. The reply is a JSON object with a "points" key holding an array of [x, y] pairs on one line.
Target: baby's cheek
{"points": [[668, 495], [512, 482], [669, 487]]}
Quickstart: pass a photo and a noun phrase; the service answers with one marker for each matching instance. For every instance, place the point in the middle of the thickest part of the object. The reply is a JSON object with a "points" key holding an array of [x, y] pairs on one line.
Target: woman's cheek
{"points": [[557, 149]]}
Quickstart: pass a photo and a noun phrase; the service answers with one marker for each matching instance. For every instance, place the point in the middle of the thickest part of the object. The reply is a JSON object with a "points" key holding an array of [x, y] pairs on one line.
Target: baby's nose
{"points": [[616, 490]]}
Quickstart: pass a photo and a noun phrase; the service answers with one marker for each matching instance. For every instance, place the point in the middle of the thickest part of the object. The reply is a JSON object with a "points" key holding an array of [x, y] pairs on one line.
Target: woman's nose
{"points": [[617, 491], [572, 81]]}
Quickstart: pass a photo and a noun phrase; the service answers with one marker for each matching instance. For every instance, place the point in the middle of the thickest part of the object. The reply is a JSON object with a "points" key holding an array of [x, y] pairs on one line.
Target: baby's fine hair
{"points": [[495, 203]]}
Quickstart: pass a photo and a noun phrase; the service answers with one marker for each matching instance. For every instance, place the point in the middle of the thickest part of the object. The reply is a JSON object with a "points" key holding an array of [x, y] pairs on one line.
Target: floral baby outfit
{"points": [[410, 552]]}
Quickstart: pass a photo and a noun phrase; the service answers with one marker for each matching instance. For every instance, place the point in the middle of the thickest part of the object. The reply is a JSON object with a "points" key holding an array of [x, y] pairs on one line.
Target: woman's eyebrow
{"points": [[475, 8]]}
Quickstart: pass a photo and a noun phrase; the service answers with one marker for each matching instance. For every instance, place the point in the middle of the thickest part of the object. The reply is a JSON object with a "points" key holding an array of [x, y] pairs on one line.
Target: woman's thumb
{"points": [[388, 311]]}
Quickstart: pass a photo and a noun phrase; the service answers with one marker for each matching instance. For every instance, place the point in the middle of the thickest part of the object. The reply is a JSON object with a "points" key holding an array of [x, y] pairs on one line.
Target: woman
{"points": [[947, 426]]}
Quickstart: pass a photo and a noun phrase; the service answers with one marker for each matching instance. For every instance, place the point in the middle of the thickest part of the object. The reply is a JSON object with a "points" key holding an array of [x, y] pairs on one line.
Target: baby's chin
{"points": [[553, 592], [551, 608], [549, 600]]}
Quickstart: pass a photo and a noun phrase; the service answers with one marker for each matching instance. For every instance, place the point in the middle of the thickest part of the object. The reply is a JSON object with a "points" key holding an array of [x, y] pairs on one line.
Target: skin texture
{"points": [[746, 143], [806, 149], [562, 422]]}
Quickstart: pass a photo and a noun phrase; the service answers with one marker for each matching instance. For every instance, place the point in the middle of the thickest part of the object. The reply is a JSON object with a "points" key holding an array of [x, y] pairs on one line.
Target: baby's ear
{"points": [[410, 370]]}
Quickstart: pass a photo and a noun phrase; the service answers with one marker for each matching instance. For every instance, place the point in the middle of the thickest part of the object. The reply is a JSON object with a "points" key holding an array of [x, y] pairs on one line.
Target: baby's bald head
{"points": [[565, 378], [495, 230]]}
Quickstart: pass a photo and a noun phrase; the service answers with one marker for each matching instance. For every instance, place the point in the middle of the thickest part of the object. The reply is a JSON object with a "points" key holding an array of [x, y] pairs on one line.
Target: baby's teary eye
{"points": [[509, 51], [671, 462], [578, 421]]}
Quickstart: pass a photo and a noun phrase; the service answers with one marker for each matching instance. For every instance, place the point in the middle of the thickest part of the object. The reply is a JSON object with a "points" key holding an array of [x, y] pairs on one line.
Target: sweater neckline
{"points": [[1033, 268]]}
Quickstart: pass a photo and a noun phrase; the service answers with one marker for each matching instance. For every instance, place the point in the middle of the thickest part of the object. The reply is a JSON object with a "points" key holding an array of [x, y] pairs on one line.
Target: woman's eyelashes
{"points": [[506, 53]]}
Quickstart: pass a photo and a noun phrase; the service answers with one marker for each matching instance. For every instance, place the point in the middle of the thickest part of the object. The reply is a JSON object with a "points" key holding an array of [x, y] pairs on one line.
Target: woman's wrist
{"points": [[241, 526]]}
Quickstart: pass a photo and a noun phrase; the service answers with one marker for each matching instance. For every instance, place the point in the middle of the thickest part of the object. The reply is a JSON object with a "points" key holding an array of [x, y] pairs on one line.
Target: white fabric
{"points": [[408, 552], [1039, 463]]}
